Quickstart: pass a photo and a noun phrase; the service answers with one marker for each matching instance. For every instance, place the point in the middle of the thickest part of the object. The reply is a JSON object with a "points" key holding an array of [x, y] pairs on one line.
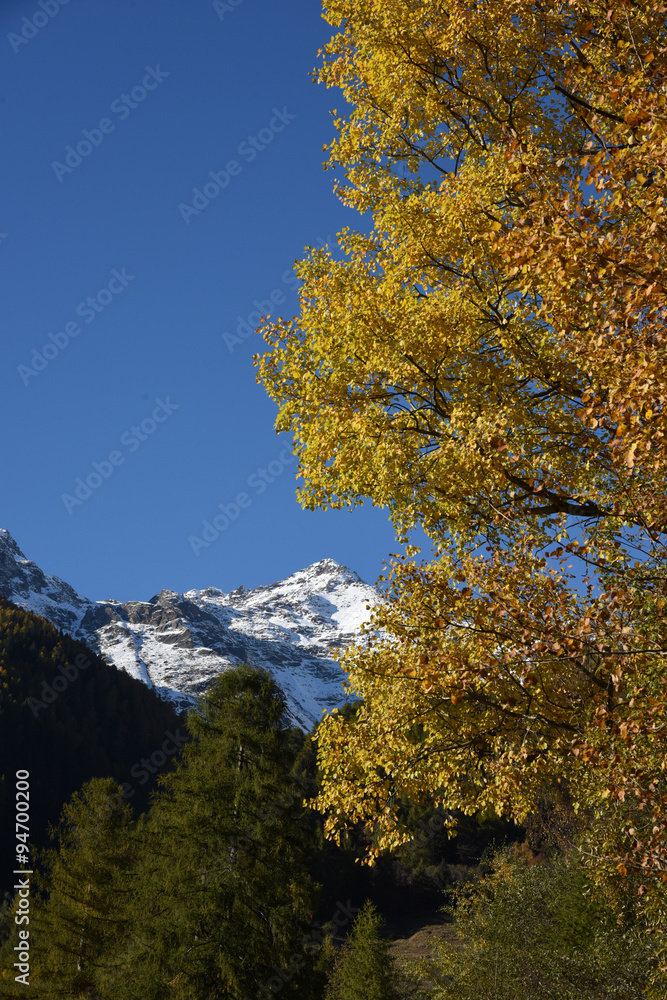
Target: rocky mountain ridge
{"points": [[178, 643]]}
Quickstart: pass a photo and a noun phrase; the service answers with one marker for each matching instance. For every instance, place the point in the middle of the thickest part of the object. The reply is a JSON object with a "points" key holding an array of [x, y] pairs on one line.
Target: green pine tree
{"points": [[76, 929], [364, 968], [223, 898]]}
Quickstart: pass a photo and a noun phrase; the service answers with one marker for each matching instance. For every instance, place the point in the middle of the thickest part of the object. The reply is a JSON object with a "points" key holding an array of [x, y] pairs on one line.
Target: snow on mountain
{"points": [[23, 582], [179, 642]]}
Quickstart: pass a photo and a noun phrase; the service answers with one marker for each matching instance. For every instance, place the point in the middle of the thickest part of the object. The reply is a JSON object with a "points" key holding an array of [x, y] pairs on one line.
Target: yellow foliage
{"points": [[489, 363]]}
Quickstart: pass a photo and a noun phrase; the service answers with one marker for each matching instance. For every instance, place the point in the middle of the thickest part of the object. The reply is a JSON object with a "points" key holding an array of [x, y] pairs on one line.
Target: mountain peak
{"points": [[9, 545], [326, 568], [24, 583], [179, 643]]}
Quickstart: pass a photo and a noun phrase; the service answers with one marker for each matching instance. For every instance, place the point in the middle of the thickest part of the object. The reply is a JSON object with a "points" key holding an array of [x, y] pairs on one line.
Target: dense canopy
{"points": [[488, 361]]}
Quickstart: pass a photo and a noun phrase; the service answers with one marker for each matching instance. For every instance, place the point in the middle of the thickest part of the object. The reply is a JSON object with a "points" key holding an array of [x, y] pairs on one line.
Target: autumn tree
{"points": [[488, 363], [540, 931]]}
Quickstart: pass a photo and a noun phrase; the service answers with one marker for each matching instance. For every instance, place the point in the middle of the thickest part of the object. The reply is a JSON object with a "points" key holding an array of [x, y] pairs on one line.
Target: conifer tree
{"points": [[78, 928], [223, 895], [364, 969]]}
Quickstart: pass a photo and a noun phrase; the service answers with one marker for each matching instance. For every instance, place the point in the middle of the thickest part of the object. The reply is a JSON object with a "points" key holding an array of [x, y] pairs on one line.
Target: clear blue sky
{"points": [[168, 92]]}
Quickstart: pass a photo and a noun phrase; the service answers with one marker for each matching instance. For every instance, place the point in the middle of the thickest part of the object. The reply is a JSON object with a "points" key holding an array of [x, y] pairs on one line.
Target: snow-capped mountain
{"points": [[179, 642]]}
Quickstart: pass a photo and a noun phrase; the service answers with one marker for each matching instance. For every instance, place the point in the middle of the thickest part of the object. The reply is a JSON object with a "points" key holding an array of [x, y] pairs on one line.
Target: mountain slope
{"points": [[177, 643], [67, 716]]}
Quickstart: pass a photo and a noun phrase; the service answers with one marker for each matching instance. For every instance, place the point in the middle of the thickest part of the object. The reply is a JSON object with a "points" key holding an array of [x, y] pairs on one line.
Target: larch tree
{"points": [[223, 893], [87, 880], [364, 968]]}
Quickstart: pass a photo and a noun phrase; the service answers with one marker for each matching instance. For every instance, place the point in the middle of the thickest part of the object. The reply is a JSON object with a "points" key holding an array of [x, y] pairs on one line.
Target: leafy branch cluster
{"points": [[489, 364]]}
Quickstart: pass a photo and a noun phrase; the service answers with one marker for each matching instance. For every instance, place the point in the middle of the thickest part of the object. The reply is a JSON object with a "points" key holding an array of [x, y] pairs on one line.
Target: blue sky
{"points": [[117, 296]]}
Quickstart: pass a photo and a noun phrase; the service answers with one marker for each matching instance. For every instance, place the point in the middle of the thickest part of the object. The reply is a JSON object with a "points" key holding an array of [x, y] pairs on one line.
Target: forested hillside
{"points": [[67, 716]]}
